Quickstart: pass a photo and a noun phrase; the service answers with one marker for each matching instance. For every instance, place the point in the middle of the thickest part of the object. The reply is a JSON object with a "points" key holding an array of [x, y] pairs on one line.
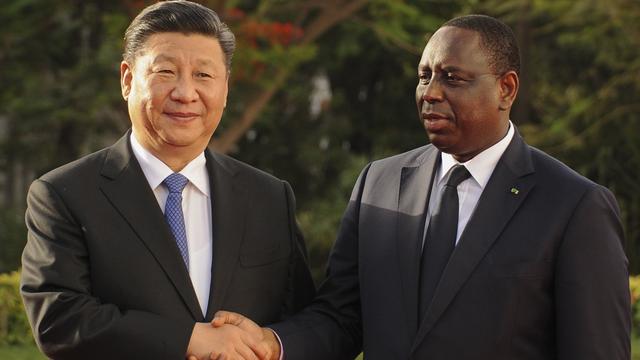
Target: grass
{"points": [[635, 348], [22, 352]]}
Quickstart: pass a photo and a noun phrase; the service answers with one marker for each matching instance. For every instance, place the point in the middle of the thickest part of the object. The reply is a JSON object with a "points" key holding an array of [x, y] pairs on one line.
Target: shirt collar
{"points": [[480, 166], [156, 171]]}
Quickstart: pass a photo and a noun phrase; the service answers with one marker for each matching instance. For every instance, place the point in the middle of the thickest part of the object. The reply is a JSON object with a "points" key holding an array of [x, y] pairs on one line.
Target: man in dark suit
{"points": [[132, 249], [476, 246]]}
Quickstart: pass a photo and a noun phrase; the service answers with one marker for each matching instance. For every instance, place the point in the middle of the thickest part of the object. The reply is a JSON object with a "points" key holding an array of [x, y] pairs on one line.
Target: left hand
{"points": [[267, 338]]}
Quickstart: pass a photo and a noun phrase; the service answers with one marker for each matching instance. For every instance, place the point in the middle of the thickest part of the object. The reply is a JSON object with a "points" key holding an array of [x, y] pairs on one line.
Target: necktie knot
{"points": [[458, 175], [176, 183]]}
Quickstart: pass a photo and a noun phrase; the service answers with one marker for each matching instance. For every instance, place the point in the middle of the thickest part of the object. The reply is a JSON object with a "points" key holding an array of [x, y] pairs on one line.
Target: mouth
{"points": [[181, 116], [434, 121], [433, 116]]}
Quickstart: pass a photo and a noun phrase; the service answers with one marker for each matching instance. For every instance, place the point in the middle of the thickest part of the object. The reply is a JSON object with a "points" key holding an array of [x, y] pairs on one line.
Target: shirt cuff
{"points": [[279, 343]]}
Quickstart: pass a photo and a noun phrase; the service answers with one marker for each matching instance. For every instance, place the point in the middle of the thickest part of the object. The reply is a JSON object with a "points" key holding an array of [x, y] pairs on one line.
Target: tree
{"points": [[583, 103]]}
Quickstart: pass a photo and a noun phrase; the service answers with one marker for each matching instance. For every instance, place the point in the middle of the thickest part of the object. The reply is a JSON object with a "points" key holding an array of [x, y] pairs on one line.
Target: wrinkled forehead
{"points": [[453, 47]]}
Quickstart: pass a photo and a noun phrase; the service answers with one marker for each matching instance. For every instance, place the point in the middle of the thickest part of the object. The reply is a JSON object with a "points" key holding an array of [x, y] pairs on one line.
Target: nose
{"points": [[432, 92], [185, 90]]}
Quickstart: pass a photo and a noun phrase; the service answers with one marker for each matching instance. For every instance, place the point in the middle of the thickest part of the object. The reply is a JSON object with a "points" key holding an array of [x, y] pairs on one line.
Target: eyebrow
{"points": [[448, 68], [452, 69], [173, 59], [161, 58]]}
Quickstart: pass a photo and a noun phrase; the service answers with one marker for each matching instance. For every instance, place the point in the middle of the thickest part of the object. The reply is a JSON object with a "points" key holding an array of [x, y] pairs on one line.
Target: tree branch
{"points": [[328, 18]]}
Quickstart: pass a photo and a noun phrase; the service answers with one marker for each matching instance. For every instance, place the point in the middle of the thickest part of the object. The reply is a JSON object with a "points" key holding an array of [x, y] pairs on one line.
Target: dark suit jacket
{"points": [[102, 277], [539, 272]]}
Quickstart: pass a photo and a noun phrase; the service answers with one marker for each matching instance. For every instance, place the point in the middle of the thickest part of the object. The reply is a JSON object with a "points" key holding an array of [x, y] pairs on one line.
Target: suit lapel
{"points": [[415, 187], [496, 206], [128, 191], [229, 201]]}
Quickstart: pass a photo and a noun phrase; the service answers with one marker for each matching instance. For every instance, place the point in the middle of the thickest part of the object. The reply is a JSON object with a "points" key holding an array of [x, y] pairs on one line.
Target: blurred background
{"points": [[318, 89]]}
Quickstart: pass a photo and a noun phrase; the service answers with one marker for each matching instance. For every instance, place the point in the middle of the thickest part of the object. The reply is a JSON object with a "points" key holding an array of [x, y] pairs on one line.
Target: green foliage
{"points": [[578, 96], [320, 218], [62, 72], [13, 236], [14, 326], [634, 287], [21, 352]]}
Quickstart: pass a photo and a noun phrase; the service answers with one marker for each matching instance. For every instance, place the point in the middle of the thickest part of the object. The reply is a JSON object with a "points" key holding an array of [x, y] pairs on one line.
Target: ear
{"points": [[509, 83], [126, 77], [226, 89]]}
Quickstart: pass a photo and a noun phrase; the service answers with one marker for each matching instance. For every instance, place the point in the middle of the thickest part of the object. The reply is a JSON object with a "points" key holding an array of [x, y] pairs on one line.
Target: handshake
{"points": [[231, 336]]}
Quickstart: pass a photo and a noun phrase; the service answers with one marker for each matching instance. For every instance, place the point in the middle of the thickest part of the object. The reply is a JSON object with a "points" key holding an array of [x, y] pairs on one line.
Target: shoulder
{"points": [[393, 165], [244, 171], [557, 172], [566, 186], [409, 158], [82, 170]]}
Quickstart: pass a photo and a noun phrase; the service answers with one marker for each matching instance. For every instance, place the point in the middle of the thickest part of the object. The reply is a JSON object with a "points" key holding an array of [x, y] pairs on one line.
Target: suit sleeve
{"points": [[300, 287], [331, 327], [67, 321], [592, 286]]}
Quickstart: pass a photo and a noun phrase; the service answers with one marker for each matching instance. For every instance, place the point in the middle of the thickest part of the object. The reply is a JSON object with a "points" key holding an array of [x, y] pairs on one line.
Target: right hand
{"points": [[226, 342], [270, 346]]}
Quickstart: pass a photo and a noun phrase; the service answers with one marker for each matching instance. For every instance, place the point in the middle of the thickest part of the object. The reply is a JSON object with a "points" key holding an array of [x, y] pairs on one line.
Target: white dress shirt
{"points": [[196, 207], [481, 167]]}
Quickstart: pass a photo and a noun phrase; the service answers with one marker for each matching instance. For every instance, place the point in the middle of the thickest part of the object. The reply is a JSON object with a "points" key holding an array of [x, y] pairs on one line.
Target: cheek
{"points": [[476, 107], [155, 98], [214, 100], [419, 92]]}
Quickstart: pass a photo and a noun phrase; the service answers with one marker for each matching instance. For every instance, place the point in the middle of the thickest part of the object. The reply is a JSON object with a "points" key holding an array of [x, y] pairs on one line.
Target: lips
{"points": [[181, 115], [434, 116], [435, 122]]}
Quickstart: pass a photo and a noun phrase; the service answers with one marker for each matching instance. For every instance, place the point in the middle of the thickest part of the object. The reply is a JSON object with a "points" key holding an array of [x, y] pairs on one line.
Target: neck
{"points": [[175, 157], [461, 158], [175, 163]]}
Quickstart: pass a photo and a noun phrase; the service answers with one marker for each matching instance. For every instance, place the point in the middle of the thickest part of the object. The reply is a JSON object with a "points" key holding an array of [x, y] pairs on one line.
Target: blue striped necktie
{"points": [[173, 213]]}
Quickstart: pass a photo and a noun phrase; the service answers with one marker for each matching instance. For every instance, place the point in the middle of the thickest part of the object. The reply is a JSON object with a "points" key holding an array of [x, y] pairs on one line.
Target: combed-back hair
{"points": [[497, 40], [177, 16]]}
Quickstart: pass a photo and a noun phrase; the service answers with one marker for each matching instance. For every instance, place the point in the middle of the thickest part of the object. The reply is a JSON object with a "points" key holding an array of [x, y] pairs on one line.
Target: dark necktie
{"points": [[440, 239], [173, 213]]}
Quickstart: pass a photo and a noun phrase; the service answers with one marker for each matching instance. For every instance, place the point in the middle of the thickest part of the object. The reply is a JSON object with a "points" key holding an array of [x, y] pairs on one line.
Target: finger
{"points": [[245, 352], [256, 346], [226, 317], [261, 350], [217, 322]]}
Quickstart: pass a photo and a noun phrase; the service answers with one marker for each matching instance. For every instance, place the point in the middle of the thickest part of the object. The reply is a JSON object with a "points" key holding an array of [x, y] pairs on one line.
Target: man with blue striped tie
{"points": [[131, 250]]}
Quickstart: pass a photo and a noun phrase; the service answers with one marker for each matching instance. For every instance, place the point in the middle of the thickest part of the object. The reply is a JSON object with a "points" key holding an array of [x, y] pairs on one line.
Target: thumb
{"points": [[226, 317]]}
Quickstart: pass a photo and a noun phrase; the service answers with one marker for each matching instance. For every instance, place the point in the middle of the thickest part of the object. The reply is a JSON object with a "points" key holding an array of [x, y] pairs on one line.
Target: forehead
{"points": [[192, 47], [452, 47]]}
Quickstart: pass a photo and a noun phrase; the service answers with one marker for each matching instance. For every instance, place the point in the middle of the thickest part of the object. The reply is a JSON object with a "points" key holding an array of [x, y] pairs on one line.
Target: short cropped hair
{"points": [[497, 40], [177, 16]]}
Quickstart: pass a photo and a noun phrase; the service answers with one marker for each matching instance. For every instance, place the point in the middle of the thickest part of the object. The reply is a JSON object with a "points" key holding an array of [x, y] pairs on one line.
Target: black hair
{"points": [[177, 16], [497, 39]]}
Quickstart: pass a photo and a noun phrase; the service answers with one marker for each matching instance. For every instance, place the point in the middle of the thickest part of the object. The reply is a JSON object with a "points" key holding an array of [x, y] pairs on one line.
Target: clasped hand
{"points": [[231, 336]]}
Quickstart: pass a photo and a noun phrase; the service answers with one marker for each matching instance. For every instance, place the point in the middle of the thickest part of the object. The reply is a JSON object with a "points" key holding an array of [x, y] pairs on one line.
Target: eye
{"points": [[424, 77], [164, 72], [451, 77], [203, 75]]}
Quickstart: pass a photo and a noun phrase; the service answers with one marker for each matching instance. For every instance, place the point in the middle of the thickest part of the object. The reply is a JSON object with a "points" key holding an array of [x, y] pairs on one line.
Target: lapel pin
{"points": [[514, 191]]}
